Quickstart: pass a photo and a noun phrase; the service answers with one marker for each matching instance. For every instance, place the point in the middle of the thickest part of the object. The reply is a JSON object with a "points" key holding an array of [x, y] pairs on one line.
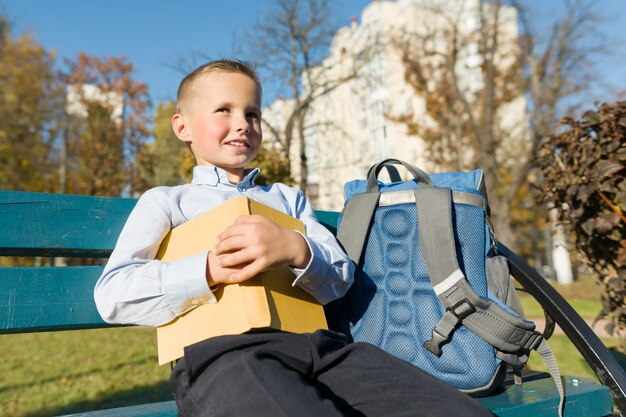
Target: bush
{"points": [[585, 179]]}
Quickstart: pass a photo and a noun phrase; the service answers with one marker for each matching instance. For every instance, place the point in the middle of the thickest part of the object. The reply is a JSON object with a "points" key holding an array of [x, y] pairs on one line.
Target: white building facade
{"points": [[352, 126]]}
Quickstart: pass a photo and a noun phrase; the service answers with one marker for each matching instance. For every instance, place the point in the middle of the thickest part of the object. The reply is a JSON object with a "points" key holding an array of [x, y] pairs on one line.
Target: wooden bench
{"points": [[39, 299]]}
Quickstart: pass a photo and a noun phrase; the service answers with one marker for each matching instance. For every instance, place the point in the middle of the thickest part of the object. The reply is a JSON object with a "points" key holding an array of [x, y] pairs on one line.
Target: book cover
{"points": [[267, 300]]}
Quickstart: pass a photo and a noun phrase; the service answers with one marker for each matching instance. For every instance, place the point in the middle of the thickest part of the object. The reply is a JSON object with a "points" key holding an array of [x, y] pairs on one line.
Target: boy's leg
{"points": [[319, 374], [376, 383], [262, 374]]}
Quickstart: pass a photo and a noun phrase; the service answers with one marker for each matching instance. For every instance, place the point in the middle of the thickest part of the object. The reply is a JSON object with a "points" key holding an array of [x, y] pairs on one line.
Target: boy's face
{"points": [[222, 122]]}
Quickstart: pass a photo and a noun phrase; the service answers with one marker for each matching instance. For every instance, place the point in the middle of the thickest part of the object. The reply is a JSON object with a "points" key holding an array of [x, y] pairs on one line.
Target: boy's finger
{"points": [[234, 230], [250, 218], [230, 260], [230, 244], [246, 272]]}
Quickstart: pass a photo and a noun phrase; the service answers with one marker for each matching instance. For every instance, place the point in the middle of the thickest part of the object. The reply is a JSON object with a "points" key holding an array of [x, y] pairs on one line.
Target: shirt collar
{"points": [[212, 175]]}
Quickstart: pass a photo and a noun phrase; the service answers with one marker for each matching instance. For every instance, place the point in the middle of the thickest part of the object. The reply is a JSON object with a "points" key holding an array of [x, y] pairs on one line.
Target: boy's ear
{"points": [[180, 128]]}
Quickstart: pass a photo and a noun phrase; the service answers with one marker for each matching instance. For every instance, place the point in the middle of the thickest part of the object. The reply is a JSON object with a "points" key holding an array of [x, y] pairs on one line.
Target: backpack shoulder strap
{"points": [[356, 219], [482, 316]]}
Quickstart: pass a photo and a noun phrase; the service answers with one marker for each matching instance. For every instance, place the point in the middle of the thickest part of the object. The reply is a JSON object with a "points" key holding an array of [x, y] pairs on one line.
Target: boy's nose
{"points": [[242, 126]]}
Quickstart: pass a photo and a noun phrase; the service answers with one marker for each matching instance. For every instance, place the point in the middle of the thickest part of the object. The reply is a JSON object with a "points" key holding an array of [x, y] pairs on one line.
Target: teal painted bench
{"points": [[39, 299]]}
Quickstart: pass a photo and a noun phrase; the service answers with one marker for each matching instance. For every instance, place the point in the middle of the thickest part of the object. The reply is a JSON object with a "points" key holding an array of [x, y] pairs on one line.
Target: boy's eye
{"points": [[223, 110], [253, 115]]}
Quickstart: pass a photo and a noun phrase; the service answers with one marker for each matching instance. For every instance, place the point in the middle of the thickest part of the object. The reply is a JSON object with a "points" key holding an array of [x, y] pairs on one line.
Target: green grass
{"points": [[588, 309], [56, 373], [583, 295], [569, 360]]}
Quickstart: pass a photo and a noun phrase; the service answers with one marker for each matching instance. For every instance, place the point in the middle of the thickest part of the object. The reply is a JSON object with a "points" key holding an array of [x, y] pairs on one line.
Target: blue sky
{"points": [[153, 34]]}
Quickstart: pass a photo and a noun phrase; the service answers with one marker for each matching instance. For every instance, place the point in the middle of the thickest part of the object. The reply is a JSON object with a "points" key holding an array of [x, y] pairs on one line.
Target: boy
{"points": [[263, 372]]}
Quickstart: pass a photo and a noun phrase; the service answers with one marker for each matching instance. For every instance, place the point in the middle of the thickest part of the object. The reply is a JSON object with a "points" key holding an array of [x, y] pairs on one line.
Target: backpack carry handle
{"points": [[372, 174], [392, 171]]}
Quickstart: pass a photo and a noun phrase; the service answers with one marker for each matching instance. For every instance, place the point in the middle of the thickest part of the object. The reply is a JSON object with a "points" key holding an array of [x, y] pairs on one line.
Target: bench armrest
{"points": [[603, 363]]}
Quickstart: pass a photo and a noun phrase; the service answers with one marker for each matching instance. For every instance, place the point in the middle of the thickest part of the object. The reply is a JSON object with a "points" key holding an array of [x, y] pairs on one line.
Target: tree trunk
{"points": [[501, 222], [304, 169]]}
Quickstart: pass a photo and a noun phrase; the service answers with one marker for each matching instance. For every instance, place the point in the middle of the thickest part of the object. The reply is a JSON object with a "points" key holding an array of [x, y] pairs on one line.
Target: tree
{"points": [[516, 84], [165, 160], [289, 44], [31, 105], [584, 177], [274, 166], [107, 127]]}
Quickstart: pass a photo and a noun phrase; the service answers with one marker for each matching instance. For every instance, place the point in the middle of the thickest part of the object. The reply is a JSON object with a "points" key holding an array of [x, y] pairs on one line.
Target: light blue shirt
{"points": [[135, 288]]}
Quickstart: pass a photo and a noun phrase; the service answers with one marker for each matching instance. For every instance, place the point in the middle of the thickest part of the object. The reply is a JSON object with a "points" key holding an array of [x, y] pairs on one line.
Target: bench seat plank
{"points": [[161, 409], [537, 397], [48, 298]]}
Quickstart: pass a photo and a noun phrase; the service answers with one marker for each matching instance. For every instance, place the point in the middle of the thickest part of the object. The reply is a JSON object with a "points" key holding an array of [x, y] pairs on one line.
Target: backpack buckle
{"points": [[436, 341], [462, 309], [450, 320]]}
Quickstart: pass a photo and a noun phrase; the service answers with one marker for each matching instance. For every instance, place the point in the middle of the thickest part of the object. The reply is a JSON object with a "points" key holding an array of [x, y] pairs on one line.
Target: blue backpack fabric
{"points": [[429, 287]]}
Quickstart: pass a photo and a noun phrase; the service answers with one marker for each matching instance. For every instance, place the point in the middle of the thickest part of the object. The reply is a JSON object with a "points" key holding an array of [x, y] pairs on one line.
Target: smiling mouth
{"points": [[238, 144]]}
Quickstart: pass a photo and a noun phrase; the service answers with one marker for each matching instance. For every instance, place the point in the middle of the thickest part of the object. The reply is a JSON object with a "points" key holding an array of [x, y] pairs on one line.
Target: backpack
{"points": [[429, 285]]}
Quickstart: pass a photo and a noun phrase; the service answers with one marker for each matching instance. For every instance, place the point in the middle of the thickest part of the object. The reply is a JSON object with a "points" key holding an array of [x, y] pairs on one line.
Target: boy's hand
{"points": [[254, 244], [215, 274]]}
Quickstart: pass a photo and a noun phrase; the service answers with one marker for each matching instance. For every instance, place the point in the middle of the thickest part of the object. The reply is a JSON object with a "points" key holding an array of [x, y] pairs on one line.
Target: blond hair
{"points": [[185, 91]]}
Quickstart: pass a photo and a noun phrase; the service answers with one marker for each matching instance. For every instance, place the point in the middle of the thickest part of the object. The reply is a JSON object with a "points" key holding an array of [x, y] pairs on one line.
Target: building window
{"points": [[362, 102], [378, 110], [380, 133], [376, 82]]}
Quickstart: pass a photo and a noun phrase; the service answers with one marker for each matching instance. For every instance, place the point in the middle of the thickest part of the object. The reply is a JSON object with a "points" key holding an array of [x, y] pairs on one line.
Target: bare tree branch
{"points": [[290, 44], [463, 126]]}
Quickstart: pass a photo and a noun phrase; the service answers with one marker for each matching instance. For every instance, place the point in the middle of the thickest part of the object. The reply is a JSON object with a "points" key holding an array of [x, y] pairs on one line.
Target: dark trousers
{"points": [[320, 374]]}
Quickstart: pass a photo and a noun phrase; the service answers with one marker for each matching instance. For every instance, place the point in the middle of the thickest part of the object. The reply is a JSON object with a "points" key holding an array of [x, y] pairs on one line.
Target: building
{"points": [[77, 96], [353, 126]]}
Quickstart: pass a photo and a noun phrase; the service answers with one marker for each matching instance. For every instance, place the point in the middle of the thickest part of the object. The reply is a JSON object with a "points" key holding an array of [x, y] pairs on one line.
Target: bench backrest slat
{"points": [[48, 298], [39, 224], [328, 219], [68, 225]]}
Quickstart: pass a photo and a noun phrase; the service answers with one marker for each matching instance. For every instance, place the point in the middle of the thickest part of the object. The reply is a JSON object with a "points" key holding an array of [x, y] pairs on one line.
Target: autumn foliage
{"points": [[31, 106], [107, 126], [88, 129], [585, 178]]}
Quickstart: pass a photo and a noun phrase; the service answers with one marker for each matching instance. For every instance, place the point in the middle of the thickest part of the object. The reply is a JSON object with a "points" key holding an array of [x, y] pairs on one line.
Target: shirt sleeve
{"points": [[330, 272], [134, 288]]}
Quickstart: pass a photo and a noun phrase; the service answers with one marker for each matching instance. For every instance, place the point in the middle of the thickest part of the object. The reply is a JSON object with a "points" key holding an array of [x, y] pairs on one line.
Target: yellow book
{"points": [[267, 300]]}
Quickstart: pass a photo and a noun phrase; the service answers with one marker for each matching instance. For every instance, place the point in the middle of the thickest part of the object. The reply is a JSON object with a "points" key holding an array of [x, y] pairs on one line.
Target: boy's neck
{"points": [[234, 175], [235, 178]]}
